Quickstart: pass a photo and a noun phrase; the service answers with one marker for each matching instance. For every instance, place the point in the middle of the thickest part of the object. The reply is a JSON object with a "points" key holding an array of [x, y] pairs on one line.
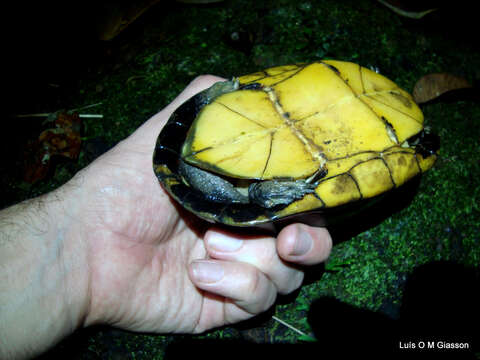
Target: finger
{"points": [[303, 244], [259, 252], [244, 284]]}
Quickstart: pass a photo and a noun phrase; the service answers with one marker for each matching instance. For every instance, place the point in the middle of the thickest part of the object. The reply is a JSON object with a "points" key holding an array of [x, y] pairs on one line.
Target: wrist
{"points": [[67, 232], [43, 283]]}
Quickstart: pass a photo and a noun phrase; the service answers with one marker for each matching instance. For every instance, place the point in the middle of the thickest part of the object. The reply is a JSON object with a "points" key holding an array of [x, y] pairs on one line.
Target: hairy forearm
{"points": [[42, 283]]}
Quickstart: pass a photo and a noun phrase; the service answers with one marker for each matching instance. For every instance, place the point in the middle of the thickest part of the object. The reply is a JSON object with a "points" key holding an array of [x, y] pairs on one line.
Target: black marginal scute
{"points": [[187, 112], [165, 156], [170, 141], [180, 124], [243, 213], [170, 136], [198, 203], [196, 200], [173, 134]]}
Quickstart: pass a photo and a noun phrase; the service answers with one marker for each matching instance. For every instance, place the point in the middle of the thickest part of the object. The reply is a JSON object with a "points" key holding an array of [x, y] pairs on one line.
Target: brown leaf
{"points": [[61, 140], [36, 163], [64, 139], [432, 86]]}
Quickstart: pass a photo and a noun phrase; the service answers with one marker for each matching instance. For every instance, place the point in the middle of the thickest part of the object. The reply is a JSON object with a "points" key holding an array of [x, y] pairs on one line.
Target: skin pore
{"points": [[111, 247]]}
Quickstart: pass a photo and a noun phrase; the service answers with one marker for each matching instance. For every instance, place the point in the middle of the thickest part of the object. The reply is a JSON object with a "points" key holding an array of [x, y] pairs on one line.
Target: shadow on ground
{"points": [[440, 304], [439, 308]]}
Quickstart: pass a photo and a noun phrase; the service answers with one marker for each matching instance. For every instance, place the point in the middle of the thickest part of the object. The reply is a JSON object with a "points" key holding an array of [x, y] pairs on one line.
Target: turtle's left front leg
{"points": [[213, 187]]}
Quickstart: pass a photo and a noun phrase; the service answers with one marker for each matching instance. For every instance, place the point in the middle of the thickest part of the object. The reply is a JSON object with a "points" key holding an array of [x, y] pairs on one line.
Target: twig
{"points": [[87, 106], [409, 14], [289, 326], [97, 116]]}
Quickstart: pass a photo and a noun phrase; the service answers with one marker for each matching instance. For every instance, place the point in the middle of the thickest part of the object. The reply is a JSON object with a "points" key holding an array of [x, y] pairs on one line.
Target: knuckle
{"points": [[259, 292], [270, 300], [293, 283], [253, 285], [270, 257]]}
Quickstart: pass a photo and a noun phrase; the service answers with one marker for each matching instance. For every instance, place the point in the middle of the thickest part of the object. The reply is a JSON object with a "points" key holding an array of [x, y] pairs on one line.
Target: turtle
{"points": [[291, 140]]}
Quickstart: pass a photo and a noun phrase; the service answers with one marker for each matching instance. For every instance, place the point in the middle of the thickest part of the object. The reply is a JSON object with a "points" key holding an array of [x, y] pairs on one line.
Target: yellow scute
{"points": [[332, 115]]}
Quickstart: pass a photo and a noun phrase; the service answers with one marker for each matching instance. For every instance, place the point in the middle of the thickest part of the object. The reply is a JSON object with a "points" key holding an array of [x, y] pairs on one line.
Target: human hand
{"points": [[153, 267]]}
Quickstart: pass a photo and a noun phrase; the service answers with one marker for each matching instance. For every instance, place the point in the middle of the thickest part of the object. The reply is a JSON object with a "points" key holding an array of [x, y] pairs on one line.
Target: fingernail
{"points": [[207, 272], [303, 244], [221, 242]]}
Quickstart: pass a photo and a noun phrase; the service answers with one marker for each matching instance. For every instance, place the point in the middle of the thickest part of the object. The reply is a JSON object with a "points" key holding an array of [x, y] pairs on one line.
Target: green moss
{"points": [[369, 270]]}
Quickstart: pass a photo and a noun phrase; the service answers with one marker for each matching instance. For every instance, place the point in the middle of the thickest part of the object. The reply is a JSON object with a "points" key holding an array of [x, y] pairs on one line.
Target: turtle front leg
{"points": [[213, 187], [271, 193]]}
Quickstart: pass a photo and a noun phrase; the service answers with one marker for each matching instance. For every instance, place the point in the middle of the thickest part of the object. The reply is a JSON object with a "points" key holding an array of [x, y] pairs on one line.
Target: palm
{"points": [[115, 250], [143, 246], [140, 248]]}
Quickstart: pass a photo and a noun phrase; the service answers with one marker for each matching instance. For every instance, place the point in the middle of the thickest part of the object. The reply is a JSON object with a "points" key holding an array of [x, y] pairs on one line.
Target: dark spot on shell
{"points": [[401, 161], [343, 184]]}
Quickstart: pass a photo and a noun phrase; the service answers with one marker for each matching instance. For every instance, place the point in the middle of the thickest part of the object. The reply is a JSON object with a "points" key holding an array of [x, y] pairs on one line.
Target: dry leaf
{"points": [[64, 139], [432, 86], [61, 140]]}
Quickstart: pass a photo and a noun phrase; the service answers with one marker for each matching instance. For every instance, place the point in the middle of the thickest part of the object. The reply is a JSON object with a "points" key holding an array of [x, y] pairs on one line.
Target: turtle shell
{"points": [[353, 129]]}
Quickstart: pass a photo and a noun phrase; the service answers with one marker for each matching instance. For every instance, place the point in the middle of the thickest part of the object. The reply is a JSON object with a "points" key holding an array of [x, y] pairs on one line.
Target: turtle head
{"points": [[426, 143]]}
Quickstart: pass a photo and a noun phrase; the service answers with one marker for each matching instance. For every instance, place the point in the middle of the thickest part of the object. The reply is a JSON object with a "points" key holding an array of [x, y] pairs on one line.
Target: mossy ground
{"points": [[157, 56]]}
